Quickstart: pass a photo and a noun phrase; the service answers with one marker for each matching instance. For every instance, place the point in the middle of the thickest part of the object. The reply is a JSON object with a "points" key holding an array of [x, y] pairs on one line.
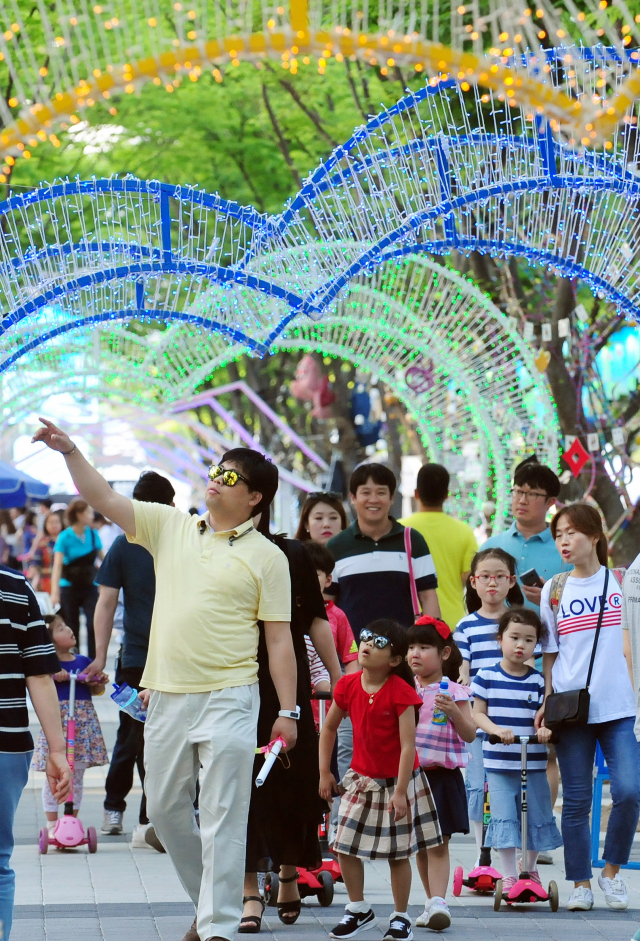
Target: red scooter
{"points": [[69, 832], [483, 877], [525, 890]]}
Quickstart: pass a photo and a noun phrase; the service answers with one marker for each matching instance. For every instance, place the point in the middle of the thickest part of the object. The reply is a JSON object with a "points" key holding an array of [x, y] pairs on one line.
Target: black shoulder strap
{"points": [[603, 601]]}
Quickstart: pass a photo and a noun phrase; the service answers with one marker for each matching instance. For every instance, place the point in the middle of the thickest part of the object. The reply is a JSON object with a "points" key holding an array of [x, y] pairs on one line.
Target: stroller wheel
{"points": [[497, 898], [554, 898], [92, 839], [43, 840], [325, 894]]}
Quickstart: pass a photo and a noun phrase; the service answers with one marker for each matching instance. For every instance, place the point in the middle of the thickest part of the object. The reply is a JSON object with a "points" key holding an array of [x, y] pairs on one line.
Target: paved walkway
{"points": [[120, 894]]}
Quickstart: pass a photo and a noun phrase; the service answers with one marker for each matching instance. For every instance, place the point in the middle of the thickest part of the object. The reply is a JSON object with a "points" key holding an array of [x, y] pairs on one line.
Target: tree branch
{"points": [[282, 143]]}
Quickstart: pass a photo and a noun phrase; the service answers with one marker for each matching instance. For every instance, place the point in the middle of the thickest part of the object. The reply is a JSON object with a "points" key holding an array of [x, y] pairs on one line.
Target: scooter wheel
{"points": [[92, 839], [554, 898], [497, 898], [325, 894], [458, 877], [271, 886], [43, 840]]}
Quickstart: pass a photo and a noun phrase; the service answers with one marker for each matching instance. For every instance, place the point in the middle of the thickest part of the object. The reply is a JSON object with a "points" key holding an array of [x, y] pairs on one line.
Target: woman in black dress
{"points": [[284, 813]]}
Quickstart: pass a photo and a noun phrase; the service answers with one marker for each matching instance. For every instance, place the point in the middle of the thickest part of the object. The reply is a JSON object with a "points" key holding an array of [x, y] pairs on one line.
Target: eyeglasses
{"points": [[523, 496], [229, 477], [331, 494], [498, 579], [378, 640]]}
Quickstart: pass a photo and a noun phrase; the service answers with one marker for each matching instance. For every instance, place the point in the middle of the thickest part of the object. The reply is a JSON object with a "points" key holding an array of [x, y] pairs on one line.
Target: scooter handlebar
{"points": [[532, 740], [322, 694]]}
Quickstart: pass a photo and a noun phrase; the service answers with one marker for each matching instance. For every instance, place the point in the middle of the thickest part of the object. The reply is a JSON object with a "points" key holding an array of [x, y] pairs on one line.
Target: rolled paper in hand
{"points": [[272, 751]]}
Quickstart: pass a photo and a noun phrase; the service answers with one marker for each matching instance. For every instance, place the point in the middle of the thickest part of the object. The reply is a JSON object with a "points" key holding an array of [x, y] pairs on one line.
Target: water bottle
{"points": [[440, 717], [128, 701]]}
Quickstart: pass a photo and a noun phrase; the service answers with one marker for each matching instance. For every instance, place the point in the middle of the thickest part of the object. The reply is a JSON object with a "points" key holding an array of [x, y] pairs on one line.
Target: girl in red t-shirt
{"points": [[386, 811]]}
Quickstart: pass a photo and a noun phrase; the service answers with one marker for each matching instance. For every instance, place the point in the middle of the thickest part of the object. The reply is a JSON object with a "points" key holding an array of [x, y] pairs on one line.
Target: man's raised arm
{"points": [[91, 485]]}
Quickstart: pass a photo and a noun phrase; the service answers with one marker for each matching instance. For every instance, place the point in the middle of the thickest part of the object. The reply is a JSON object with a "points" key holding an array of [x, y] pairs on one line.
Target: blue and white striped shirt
{"points": [[476, 640], [512, 703]]}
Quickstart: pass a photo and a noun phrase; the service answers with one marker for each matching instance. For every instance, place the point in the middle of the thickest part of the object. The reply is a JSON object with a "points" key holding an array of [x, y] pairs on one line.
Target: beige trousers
{"points": [[218, 731]]}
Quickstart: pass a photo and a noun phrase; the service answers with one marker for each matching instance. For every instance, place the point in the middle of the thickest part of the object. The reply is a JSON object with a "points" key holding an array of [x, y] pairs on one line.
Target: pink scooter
{"points": [[69, 832], [525, 889]]}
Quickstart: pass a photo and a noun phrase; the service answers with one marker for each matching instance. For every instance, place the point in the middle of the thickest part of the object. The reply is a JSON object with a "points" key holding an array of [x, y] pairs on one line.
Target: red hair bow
{"points": [[443, 629]]}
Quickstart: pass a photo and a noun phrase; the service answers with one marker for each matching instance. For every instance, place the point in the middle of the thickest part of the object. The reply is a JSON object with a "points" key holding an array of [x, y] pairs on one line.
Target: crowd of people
{"points": [[439, 657]]}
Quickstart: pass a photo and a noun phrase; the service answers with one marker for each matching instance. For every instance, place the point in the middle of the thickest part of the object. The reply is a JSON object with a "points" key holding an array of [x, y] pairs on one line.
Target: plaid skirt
{"points": [[367, 829]]}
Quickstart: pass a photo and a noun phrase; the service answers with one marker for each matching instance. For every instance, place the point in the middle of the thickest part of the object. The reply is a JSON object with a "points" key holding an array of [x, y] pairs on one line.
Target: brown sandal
{"points": [[252, 923]]}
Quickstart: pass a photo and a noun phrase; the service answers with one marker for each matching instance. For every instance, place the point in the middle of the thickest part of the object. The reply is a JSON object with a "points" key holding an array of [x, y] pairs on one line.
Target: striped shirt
{"points": [[512, 703], [476, 640], [25, 650], [371, 579]]}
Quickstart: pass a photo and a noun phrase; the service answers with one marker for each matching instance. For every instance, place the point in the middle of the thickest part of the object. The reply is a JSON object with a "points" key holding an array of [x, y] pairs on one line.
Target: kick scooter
{"points": [[69, 832], [525, 890]]}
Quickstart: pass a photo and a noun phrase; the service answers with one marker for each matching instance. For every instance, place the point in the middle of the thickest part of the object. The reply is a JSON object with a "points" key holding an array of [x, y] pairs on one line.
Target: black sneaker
{"points": [[352, 924], [399, 930]]}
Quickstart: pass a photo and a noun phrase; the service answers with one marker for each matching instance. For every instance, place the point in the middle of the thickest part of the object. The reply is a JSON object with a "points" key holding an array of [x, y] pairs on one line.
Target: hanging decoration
{"points": [[311, 385]]}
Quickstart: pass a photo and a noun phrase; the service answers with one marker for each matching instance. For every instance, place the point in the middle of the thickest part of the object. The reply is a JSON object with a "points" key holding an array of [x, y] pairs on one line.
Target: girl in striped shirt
{"points": [[491, 587], [507, 697]]}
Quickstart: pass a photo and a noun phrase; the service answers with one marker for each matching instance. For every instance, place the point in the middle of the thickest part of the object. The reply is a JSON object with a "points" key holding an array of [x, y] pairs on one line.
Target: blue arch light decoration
{"points": [[402, 184]]}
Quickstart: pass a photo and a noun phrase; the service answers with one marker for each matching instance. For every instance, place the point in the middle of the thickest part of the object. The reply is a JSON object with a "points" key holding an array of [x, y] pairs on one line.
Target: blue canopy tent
{"points": [[17, 488]]}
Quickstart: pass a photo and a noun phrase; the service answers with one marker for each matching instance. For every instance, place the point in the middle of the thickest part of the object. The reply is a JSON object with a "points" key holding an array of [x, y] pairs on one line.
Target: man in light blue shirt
{"points": [[529, 539]]}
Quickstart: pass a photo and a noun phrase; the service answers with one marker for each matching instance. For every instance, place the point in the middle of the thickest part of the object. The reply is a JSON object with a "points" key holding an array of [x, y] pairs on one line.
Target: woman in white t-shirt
{"points": [[571, 621]]}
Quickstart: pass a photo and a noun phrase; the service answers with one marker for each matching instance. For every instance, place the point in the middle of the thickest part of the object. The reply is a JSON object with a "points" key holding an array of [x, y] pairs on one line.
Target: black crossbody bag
{"points": [[571, 708]]}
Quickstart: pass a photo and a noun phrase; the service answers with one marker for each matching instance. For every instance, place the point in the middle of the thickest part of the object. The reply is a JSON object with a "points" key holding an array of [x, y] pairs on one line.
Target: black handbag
{"points": [[82, 571], [571, 708]]}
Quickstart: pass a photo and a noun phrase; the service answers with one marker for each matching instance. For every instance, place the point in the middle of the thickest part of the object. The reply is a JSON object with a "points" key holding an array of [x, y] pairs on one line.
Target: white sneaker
{"points": [[580, 900], [615, 892], [435, 916], [138, 841]]}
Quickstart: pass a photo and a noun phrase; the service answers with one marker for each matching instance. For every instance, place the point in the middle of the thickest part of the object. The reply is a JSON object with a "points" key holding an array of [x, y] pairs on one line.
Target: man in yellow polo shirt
{"points": [[451, 542], [216, 576]]}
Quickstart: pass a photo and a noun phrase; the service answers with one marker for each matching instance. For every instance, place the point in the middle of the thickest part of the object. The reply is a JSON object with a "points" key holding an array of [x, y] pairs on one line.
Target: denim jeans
{"points": [[576, 750], [474, 779], [14, 771]]}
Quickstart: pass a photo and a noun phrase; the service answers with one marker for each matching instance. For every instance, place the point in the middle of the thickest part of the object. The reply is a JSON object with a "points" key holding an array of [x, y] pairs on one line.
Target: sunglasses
{"points": [[229, 477], [379, 640], [332, 494]]}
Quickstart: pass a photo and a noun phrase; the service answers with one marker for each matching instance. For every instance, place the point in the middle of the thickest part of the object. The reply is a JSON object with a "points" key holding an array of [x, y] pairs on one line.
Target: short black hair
{"points": [[535, 475], [321, 557], [520, 616], [380, 474], [153, 488], [262, 475], [433, 484], [46, 502]]}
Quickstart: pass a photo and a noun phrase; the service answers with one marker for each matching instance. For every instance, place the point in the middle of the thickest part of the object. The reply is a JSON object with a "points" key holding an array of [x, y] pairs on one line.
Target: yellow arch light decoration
{"points": [[590, 123]]}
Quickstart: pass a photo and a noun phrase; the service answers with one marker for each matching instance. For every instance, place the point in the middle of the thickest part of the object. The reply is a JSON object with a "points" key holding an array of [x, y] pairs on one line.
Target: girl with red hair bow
{"points": [[442, 752]]}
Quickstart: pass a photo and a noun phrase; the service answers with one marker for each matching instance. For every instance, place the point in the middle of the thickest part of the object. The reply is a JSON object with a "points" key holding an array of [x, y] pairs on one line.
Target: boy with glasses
{"points": [[529, 539]]}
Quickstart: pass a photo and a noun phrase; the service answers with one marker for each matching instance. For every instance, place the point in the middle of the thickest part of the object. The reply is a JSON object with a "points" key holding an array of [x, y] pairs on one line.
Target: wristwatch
{"points": [[290, 713]]}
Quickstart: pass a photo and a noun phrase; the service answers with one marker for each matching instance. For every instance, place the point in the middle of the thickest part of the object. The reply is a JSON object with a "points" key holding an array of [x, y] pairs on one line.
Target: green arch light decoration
{"points": [[487, 394]]}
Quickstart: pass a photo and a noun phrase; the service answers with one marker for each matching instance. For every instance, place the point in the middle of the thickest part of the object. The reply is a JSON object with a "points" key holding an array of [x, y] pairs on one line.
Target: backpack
{"points": [[557, 587]]}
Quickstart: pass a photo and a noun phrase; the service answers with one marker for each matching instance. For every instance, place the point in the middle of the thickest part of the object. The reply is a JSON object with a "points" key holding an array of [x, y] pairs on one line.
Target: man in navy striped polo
{"points": [[371, 578]]}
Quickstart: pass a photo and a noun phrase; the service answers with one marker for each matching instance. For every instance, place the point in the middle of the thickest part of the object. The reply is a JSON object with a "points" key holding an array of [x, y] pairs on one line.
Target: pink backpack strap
{"points": [[415, 601]]}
